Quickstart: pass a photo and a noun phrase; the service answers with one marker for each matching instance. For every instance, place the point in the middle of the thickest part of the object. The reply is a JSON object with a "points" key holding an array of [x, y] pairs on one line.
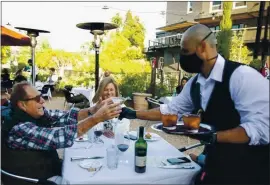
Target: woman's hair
{"points": [[102, 86], [184, 78]]}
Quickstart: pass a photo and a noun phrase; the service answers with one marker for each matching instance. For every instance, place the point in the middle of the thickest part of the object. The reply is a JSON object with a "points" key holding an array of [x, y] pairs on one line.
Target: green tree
{"points": [[134, 31], [86, 47], [117, 19], [238, 51], [5, 54], [24, 55], [225, 34], [43, 44]]}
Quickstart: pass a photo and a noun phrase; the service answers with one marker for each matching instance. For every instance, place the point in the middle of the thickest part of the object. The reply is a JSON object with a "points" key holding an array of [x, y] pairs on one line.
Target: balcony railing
{"points": [[165, 42], [174, 40]]}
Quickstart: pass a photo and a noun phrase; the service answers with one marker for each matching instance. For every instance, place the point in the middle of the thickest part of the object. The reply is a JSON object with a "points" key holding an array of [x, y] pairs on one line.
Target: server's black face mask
{"points": [[192, 63]]}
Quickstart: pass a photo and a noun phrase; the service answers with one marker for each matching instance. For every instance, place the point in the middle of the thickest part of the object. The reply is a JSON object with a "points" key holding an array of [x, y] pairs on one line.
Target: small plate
{"points": [[90, 165], [154, 137], [182, 130]]}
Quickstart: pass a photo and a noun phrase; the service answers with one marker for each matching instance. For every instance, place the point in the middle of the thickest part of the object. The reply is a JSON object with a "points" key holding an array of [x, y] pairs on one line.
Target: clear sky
{"points": [[60, 18]]}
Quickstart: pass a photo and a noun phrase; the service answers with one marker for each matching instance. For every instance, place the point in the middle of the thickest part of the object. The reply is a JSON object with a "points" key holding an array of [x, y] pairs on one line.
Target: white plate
{"points": [[154, 137], [90, 164]]}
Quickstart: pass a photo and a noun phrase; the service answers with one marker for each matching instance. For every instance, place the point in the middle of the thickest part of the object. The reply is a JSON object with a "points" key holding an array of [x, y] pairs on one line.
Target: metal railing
{"points": [[174, 40]]}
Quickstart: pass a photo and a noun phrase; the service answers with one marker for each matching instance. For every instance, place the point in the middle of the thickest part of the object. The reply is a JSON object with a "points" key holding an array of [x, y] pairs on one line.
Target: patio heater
{"points": [[33, 34], [97, 29]]}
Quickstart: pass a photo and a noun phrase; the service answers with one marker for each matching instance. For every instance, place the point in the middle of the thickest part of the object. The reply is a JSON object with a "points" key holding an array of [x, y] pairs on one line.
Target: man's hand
{"points": [[208, 139], [99, 104], [107, 111], [127, 113]]}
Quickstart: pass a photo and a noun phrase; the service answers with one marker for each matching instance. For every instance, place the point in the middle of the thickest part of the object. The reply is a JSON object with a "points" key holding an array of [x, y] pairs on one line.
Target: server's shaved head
{"points": [[195, 34], [198, 49]]}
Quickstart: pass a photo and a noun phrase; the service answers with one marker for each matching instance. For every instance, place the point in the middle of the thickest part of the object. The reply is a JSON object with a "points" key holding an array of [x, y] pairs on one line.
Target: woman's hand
{"points": [[99, 104], [107, 111]]}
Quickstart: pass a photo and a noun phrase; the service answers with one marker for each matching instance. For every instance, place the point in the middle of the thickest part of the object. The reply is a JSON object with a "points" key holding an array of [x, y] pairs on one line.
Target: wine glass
{"points": [[120, 100], [122, 142], [98, 131]]}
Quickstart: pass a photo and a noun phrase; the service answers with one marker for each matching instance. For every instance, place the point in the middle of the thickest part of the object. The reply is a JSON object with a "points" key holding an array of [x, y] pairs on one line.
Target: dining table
{"points": [[158, 151]]}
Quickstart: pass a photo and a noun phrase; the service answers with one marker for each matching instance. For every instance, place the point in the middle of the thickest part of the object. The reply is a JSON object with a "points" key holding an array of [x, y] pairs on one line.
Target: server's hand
{"points": [[127, 113], [208, 139]]}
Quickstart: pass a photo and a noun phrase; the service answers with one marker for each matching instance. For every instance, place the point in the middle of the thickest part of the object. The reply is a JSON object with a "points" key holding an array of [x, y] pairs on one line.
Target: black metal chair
{"points": [[73, 99], [26, 179], [46, 92]]}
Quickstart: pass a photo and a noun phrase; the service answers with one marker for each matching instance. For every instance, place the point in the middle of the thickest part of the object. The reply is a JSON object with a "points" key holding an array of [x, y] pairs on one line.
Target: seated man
{"points": [[31, 134], [52, 79]]}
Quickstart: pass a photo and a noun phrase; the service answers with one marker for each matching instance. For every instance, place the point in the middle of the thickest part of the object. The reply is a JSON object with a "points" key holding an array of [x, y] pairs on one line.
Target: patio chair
{"points": [[46, 92], [5, 175], [71, 98]]}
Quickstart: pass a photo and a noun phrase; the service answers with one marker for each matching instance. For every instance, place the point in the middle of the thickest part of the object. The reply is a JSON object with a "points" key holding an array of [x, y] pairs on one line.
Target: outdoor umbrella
{"points": [[11, 37]]}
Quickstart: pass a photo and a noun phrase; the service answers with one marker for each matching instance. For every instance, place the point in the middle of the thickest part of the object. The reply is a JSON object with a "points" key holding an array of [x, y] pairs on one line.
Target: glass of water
{"points": [[112, 157]]}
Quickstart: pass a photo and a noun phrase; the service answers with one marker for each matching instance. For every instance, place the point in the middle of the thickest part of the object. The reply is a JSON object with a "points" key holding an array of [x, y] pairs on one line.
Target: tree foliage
{"points": [[117, 19], [256, 64], [225, 34], [120, 53], [5, 54], [238, 51], [133, 30]]}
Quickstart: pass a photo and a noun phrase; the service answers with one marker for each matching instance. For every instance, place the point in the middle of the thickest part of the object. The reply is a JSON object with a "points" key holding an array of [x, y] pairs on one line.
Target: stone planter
{"points": [[139, 101]]}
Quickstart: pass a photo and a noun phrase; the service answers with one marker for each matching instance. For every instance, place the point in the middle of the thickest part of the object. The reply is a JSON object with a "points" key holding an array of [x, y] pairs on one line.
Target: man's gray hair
{"points": [[198, 32]]}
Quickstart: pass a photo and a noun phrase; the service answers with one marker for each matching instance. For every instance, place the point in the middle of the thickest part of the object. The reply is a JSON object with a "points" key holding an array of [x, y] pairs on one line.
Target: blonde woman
{"points": [[108, 88]]}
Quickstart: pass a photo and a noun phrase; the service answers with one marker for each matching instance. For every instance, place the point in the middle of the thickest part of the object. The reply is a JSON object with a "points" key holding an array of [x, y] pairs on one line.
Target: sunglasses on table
{"points": [[36, 98]]}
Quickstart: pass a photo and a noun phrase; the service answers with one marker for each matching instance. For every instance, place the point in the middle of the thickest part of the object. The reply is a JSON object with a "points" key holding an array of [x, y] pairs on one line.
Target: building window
{"points": [[215, 6], [239, 4], [189, 7], [237, 26]]}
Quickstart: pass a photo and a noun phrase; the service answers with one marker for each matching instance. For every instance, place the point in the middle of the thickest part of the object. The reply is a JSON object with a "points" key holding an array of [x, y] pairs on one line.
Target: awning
{"points": [[239, 16], [11, 37], [177, 26]]}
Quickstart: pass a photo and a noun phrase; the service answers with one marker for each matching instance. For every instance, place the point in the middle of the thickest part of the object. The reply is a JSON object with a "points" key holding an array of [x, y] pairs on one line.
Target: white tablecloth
{"points": [[125, 174], [39, 85], [88, 93]]}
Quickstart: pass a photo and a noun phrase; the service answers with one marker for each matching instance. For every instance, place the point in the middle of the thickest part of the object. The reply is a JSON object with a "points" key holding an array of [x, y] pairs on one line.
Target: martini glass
{"points": [[120, 100]]}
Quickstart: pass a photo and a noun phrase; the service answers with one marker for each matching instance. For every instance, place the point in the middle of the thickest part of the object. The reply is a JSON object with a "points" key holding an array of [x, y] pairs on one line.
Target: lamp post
{"points": [[97, 29], [33, 34]]}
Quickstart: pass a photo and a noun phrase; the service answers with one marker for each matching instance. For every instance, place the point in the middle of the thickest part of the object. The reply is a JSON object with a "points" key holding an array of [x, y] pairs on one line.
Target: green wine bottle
{"points": [[140, 152]]}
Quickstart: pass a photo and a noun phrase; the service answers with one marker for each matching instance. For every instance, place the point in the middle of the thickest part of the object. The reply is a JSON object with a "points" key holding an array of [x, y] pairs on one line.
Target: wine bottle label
{"points": [[140, 161]]}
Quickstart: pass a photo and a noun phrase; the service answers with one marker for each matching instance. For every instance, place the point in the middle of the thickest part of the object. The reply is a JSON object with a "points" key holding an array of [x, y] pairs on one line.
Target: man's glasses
{"points": [[36, 98], [185, 51]]}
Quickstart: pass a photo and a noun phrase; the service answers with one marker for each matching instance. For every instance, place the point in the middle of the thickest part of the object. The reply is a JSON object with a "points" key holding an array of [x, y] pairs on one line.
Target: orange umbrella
{"points": [[10, 37]]}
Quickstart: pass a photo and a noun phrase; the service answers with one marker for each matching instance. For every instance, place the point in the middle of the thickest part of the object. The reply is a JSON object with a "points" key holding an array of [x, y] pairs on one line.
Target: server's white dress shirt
{"points": [[249, 91]]}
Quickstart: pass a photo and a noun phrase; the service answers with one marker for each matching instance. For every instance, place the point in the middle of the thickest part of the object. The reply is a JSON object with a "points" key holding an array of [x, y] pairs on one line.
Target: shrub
{"points": [[43, 75], [256, 64], [131, 83]]}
